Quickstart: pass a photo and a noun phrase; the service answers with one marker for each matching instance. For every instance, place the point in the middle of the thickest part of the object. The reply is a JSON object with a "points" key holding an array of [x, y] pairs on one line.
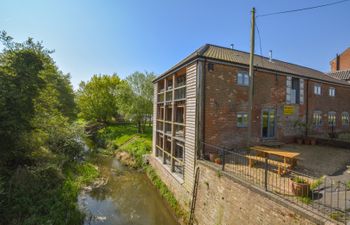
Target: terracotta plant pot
{"points": [[299, 141], [213, 156], [300, 189], [217, 161], [313, 141], [307, 141]]}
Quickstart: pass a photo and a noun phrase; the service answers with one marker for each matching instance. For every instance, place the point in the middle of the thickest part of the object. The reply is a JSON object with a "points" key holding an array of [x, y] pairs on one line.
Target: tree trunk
{"points": [[139, 127]]}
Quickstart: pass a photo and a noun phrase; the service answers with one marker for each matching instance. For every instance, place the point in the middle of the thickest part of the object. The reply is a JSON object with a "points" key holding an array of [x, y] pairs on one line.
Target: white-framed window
{"points": [[345, 119], [317, 89], [317, 118], [331, 91], [332, 119], [243, 78], [242, 119]]}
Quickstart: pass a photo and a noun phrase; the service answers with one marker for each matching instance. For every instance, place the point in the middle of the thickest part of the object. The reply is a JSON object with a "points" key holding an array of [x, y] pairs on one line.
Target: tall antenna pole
{"points": [[251, 77]]}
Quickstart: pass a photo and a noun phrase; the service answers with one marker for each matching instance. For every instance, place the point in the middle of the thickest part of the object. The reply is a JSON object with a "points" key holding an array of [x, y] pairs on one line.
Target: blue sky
{"points": [[93, 37]]}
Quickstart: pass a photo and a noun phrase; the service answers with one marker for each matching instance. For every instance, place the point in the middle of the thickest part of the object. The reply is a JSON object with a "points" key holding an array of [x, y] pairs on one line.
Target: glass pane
{"points": [[272, 124], [265, 124]]}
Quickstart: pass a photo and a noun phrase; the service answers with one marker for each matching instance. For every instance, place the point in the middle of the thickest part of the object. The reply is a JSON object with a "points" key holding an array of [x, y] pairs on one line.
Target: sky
{"points": [[114, 36]]}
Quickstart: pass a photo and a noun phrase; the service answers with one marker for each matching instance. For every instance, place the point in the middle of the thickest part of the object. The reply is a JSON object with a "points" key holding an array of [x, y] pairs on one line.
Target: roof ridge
{"points": [[258, 55]]}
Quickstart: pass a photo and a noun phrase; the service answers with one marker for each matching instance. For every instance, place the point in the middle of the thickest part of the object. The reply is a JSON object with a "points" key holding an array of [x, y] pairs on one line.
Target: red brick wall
{"points": [[325, 103], [344, 61], [224, 98]]}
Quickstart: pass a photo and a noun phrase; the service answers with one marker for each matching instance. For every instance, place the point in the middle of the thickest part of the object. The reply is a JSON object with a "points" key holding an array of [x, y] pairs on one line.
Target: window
{"points": [[243, 78], [332, 119], [345, 119], [295, 92], [331, 91], [242, 119], [317, 118], [211, 66], [317, 89]]}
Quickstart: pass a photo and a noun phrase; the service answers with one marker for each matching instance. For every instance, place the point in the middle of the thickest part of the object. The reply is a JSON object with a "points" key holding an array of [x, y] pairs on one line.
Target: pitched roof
{"points": [[341, 74], [239, 57]]}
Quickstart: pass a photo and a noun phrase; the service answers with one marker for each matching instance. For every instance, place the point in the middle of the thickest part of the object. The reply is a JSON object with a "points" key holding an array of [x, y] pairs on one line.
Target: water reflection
{"points": [[127, 198]]}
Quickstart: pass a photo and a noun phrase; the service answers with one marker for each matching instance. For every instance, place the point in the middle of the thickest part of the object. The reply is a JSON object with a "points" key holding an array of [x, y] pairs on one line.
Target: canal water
{"points": [[127, 198]]}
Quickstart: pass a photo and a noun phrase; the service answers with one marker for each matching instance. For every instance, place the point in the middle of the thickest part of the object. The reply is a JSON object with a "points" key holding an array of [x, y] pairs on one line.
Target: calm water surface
{"points": [[128, 198]]}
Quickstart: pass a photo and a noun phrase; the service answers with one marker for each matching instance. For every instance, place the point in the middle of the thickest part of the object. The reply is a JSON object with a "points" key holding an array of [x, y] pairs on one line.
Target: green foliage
{"points": [[314, 185], [306, 200], [45, 196], [99, 98], [166, 194], [138, 148], [299, 180], [38, 139], [140, 101]]}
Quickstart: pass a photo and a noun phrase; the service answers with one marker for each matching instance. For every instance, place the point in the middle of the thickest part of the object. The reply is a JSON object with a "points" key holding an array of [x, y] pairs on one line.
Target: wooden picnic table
{"points": [[288, 157]]}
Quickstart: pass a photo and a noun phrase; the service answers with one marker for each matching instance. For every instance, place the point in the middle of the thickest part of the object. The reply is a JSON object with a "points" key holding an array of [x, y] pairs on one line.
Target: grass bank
{"points": [[124, 138]]}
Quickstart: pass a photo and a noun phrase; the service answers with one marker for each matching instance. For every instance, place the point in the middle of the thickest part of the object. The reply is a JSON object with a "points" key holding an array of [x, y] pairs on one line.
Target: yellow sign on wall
{"points": [[288, 110]]}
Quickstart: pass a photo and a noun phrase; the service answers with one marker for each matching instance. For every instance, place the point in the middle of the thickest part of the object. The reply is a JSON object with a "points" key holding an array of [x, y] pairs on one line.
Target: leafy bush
{"points": [[299, 180]]}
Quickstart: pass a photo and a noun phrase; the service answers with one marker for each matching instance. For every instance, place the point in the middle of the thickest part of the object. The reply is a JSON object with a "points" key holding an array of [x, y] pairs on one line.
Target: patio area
{"points": [[317, 160], [323, 168]]}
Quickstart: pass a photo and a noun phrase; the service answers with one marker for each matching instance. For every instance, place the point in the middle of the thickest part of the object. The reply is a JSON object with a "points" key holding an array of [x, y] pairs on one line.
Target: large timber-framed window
{"points": [[242, 119], [294, 90], [243, 78], [345, 119], [317, 118], [332, 119], [171, 123]]}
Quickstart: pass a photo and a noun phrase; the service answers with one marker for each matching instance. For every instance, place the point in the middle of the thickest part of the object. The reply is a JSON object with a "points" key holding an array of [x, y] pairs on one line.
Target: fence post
{"points": [[223, 159], [266, 169]]}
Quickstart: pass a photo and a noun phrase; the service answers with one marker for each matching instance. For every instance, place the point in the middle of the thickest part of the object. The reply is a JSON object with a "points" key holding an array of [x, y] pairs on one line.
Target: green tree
{"points": [[139, 104], [98, 99]]}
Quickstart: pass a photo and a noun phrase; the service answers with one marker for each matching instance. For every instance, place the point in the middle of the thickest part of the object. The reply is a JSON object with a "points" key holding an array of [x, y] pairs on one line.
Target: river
{"points": [[128, 198]]}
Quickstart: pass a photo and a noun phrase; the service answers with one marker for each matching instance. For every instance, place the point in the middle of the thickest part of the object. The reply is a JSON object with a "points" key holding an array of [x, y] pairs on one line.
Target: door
{"points": [[268, 123]]}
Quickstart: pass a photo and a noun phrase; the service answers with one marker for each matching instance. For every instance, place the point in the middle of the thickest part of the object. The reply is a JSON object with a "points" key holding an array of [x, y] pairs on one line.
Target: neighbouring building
{"points": [[204, 99], [340, 66]]}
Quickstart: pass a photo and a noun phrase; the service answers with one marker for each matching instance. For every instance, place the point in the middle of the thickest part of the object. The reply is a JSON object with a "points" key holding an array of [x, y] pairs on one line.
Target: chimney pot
{"points": [[270, 55]]}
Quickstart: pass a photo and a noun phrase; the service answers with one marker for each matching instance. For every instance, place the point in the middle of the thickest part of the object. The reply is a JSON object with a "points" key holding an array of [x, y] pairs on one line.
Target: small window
{"points": [[243, 78], [211, 66], [317, 118], [345, 119], [317, 89], [332, 119], [242, 119], [331, 91]]}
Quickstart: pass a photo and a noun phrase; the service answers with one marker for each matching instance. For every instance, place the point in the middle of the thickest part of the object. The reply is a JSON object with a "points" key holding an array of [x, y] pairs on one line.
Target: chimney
{"points": [[270, 56], [232, 46], [337, 63]]}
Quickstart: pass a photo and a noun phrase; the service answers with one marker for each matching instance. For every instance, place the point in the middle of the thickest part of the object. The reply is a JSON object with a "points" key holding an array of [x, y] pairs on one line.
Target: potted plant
{"points": [[307, 140], [313, 141], [301, 127], [213, 156], [303, 131], [217, 161], [300, 187]]}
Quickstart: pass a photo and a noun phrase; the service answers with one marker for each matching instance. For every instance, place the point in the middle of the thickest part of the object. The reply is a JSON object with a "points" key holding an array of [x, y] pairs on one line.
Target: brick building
{"points": [[340, 66], [204, 98]]}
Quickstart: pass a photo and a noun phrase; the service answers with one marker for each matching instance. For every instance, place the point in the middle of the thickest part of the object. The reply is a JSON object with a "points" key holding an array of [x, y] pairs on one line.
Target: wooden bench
{"points": [[281, 166]]}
